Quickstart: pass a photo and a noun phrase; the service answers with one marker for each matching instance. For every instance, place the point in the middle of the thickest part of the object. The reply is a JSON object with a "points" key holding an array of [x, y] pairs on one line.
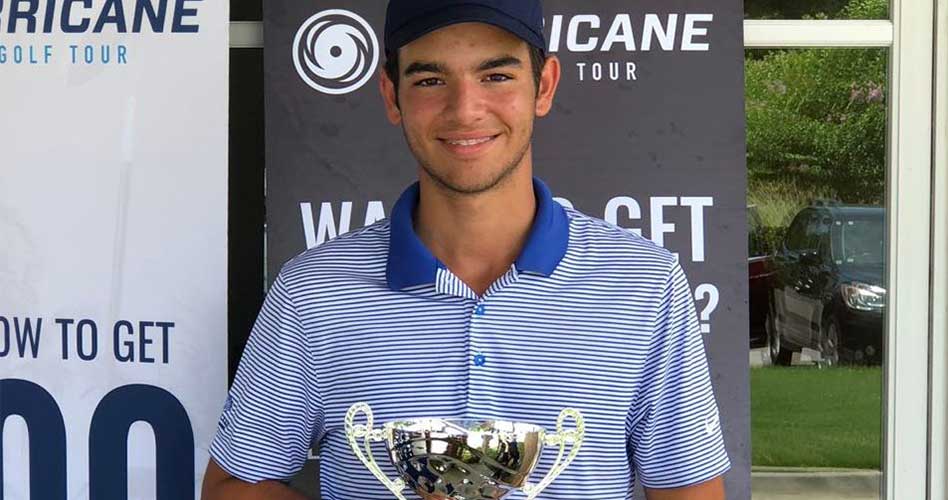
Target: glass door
{"points": [[839, 107]]}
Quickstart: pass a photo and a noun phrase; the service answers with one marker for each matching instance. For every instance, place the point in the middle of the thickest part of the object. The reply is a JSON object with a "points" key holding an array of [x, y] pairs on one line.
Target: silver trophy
{"points": [[463, 459]]}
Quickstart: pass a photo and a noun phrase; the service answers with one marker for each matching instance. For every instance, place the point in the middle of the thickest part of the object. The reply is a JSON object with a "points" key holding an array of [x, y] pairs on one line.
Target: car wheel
{"points": [[829, 343], [779, 355]]}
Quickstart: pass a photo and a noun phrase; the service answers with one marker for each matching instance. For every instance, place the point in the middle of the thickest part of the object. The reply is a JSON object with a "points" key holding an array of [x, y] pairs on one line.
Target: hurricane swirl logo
{"points": [[335, 51]]}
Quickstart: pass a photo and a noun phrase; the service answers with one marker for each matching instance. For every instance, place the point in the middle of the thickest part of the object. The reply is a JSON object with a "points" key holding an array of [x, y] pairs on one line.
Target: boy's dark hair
{"points": [[537, 61]]}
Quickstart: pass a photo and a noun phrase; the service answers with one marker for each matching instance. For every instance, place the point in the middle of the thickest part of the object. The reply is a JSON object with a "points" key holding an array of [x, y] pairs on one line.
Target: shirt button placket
{"points": [[478, 357]]}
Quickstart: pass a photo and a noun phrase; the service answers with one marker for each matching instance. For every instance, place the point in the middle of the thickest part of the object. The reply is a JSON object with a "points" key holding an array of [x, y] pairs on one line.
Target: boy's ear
{"points": [[389, 97], [549, 81]]}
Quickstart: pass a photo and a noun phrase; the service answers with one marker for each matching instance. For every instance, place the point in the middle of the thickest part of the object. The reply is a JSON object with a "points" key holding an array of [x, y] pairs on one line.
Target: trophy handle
{"points": [[367, 434], [561, 438]]}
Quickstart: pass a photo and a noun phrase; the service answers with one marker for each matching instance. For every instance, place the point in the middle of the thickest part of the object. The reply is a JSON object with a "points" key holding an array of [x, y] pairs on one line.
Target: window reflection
{"points": [[816, 157]]}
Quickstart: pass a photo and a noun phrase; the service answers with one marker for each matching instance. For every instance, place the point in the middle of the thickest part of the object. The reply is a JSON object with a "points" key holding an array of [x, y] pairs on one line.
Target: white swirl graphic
{"points": [[335, 51]]}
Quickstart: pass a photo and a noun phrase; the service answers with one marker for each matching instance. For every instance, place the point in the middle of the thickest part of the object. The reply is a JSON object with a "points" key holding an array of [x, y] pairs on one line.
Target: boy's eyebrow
{"points": [[438, 68], [500, 62], [423, 67]]}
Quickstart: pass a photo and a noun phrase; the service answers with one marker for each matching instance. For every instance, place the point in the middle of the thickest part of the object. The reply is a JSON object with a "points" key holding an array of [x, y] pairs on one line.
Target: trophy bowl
{"points": [[463, 459]]}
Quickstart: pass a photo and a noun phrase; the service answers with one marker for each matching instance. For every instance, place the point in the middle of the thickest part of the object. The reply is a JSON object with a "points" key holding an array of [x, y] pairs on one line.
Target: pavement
{"points": [[815, 484], [807, 357]]}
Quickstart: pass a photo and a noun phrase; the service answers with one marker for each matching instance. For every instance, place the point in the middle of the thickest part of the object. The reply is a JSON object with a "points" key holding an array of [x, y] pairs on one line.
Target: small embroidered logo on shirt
{"points": [[711, 424]]}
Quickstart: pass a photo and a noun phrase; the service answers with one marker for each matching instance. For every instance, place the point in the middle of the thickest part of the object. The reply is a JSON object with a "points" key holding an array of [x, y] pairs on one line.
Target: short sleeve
{"points": [[675, 432], [273, 410]]}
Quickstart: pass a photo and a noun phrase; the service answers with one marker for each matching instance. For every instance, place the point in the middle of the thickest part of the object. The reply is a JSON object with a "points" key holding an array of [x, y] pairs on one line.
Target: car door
{"points": [[815, 273], [789, 305]]}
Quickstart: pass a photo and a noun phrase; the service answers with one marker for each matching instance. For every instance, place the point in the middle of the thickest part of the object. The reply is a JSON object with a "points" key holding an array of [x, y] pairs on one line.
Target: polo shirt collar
{"points": [[410, 263]]}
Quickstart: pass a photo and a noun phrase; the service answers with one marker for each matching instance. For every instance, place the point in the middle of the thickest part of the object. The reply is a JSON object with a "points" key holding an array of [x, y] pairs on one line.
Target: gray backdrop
{"points": [[646, 132]]}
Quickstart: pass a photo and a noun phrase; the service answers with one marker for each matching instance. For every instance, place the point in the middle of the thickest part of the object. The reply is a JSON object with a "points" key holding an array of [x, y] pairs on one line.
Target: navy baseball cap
{"points": [[408, 20]]}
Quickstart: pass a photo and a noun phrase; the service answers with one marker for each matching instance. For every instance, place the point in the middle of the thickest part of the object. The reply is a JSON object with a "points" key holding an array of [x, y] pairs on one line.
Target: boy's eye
{"points": [[498, 77], [428, 82]]}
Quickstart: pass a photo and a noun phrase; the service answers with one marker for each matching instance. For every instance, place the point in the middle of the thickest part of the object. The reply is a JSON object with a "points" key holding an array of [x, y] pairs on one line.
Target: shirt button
{"points": [[480, 310], [480, 360]]}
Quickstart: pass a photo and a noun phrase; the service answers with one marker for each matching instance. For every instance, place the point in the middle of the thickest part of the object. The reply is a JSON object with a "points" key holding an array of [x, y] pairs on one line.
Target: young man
{"points": [[480, 297]]}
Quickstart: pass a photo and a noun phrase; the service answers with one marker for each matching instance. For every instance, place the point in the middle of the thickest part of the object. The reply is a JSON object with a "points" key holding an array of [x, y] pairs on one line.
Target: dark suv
{"points": [[828, 292]]}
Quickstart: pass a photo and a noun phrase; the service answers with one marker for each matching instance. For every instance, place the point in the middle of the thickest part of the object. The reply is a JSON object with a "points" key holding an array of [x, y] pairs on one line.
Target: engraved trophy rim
{"points": [[464, 425]]}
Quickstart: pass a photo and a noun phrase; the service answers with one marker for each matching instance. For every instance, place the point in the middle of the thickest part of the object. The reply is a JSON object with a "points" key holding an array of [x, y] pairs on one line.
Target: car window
{"points": [[797, 240], [809, 239], [823, 228], [862, 241], [812, 232]]}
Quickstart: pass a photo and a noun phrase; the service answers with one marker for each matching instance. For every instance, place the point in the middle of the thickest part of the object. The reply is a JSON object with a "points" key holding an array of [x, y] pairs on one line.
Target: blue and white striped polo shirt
{"points": [[590, 316]]}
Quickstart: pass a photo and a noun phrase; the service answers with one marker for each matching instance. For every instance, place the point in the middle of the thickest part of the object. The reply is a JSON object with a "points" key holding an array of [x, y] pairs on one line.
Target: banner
{"points": [[113, 223], [647, 132]]}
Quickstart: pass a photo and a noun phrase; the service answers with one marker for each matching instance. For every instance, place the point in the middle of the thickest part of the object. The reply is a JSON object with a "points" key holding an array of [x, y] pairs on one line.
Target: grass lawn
{"points": [[808, 417]]}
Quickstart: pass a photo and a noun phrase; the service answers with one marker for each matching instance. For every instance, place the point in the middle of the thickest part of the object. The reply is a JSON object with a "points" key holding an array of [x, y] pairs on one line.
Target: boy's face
{"points": [[466, 102]]}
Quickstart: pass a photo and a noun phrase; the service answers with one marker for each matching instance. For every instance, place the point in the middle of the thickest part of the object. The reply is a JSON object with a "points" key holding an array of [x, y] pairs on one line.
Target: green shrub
{"points": [[818, 116], [831, 9]]}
